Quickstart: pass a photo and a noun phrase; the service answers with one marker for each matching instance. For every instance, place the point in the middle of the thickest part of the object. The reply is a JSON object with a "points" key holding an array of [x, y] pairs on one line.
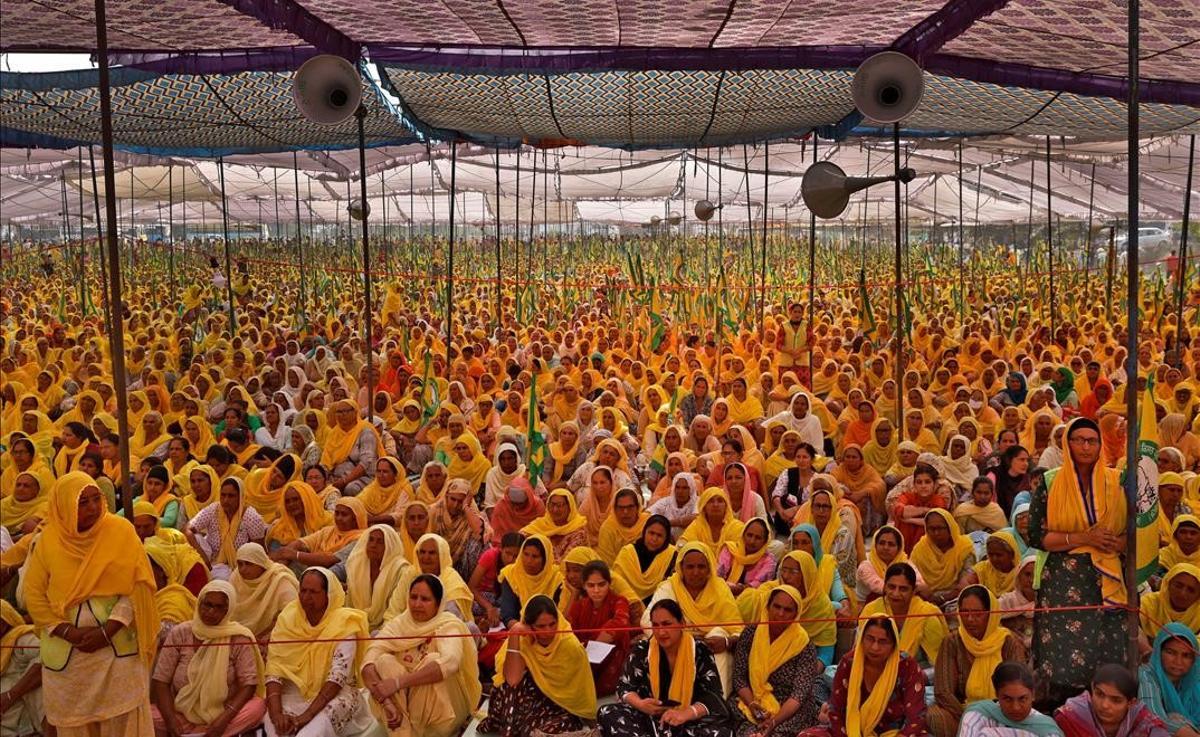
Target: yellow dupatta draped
{"points": [[940, 568], [683, 678], [68, 567], [14, 513], [330, 539], [862, 717], [547, 527], [339, 443], [767, 655], [1172, 555], [191, 504], [629, 567], [878, 456], [410, 545], [740, 559], [526, 585], [877, 562], [301, 652], [563, 455], [228, 526], [19, 629], [257, 491], [373, 598], [260, 600], [922, 630], [714, 607], [202, 698], [174, 602], [379, 499], [473, 471], [560, 669], [996, 581], [1155, 610], [987, 650], [613, 536], [700, 531], [287, 529]]}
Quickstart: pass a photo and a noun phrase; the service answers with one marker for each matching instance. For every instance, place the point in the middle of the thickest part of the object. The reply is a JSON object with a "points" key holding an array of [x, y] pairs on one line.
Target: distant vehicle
{"points": [[1154, 244]]}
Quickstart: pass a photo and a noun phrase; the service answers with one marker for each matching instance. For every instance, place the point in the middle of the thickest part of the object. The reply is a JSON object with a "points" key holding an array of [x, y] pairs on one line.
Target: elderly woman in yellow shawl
{"points": [[22, 457], [313, 664], [543, 680], [20, 674], [775, 668], [174, 601], [922, 626], [89, 586], [24, 509], [208, 676], [467, 461], [562, 524], [968, 657], [533, 573], [373, 572], [350, 449], [263, 589], [423, 671], [944, 556], [1177, 600], [387, 493], [329, 546], [707, 602], [1078, 517], [714, 524]]}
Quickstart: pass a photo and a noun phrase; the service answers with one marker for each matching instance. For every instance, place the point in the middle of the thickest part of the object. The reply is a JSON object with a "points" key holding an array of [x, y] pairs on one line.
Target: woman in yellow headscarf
{"points": [[350, 448], [263, 589], [467, 461], [26, 506], [563, 457], [74, 442], [389, 486], [715, 524], [543, 680], [299, 512], [780, 666], [922, 626], [22, 457], [1177, 600], [423, 671], [200, 660], [942, 555], [373, 572], [881, 451], [998, 571], [562, 524], [330, 544], [706, 601], [314, 660], [89, 584], [533, 573], [968, 657], [623, 526], [264, 487], [1184, 546], [433, 557], [174, 601], [1078, 517]]}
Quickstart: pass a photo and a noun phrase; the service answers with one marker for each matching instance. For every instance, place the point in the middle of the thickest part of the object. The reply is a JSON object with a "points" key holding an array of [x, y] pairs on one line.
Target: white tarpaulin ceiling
{"points": [[1004, 179]]}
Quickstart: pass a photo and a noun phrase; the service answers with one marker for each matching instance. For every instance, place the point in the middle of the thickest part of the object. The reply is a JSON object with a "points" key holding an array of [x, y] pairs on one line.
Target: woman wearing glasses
{"points": [[1078, 517]]}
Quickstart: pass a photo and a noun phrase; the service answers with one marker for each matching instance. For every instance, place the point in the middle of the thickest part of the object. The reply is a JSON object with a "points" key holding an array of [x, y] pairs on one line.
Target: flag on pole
{"points": [[1147, 487], [868, 314], [535, 441]]}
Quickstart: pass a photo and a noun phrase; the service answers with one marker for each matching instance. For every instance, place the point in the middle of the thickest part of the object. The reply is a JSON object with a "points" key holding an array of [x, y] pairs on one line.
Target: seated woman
{"points": [[25, 507], [863, 484], [413, 521], [877, 689], [706, 600], [1011, 714], [373, 572], [981, 512], [1016, 607], [920, 635], [1177, 600], [944, 556], [264, 486], [745, 563], [312, 686], [208, 677], [20, 675], [838, 522], [601, 614], [998, 572], [534, 573], [485, 579], [1185, 543], [262, 589], [156, 489], [517, 508], [433, 558], [745, 499], [715, 524], [887, 549], [805, 537], [623, 526], [911, 506], [1109, 709], [423, 670], [967, 658], [669, 679], [543, 680], [647, 562], [679, 506], [562, 524], [1170, 684], [351, 448], [300, 512], [331, 545], [775, 668], [798, 570], [220, 529], [388, 492], [174, 601]]}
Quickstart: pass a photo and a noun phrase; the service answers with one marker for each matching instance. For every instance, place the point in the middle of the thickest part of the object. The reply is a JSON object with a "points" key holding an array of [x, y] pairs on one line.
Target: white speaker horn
{"points": [[887, 87], [327, 89], [826, 189], [705, 210]]}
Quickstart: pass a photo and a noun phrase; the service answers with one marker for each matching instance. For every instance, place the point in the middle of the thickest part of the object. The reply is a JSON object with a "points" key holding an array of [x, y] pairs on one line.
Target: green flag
{"points": [[1147, 487], [868, 314], [535, 441]]}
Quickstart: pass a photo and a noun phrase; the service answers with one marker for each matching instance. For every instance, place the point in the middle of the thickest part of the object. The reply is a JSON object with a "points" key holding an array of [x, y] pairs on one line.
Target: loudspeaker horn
{"points": [[887, 87], [826, 189], [675, 218], [327, 89], [359, 209], [655, 220], [705, 210]]}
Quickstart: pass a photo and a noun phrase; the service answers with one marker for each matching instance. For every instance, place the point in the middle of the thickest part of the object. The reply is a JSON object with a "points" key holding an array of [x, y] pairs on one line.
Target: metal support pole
{"points": [[171, 229], [1050, 235], [225, 240], [1183, 257], [299, 236], [762, 305], [1087, 239], [361, 115], [1131, 342], [812, 268], [899, 337], [450, 264], [109, 225], [962, 280], [116, 321], [499, 276]]}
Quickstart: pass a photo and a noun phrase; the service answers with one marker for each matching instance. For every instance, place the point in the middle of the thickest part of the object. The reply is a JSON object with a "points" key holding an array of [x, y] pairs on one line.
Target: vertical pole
{"points": [[116, 321], [962, 280], [749, 222], [299, 236], [899, 337], [1131, 340], [361, 115], [83, 285], [1050, 234], [225, 240], [812, 266], [762, 305], [109, 224], [1087, 239], [1183, 257], [499, 277], [450, 265], [171, 228]]}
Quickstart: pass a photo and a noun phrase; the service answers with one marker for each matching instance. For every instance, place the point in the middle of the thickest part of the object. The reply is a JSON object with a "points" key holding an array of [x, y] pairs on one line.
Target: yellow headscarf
{"points": [[877, 562], [563, 455], [740, 559], [527, 586], [939, 568], [862, 717], [714, 607], [454, 588], [613, 536], [19, 629], [767, 655], [999, 582], [258, 493], [629, 567], [202, 698], [191, 504], [260, 600], [1156, 611], [987, 651], [339, 443], [923, 629], [475, 470], [14, 513], [380, 499], [69, 567], [545, 525], [683, 677], [302, 653], [174, 601], [560, 669], [373, 598], [286, 529], [330, 539], [700, 531], [1172, 554]]}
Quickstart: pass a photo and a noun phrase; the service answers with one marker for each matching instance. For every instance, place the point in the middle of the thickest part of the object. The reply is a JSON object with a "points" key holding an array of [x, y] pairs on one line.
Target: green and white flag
{"points": [[535, 441]]}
